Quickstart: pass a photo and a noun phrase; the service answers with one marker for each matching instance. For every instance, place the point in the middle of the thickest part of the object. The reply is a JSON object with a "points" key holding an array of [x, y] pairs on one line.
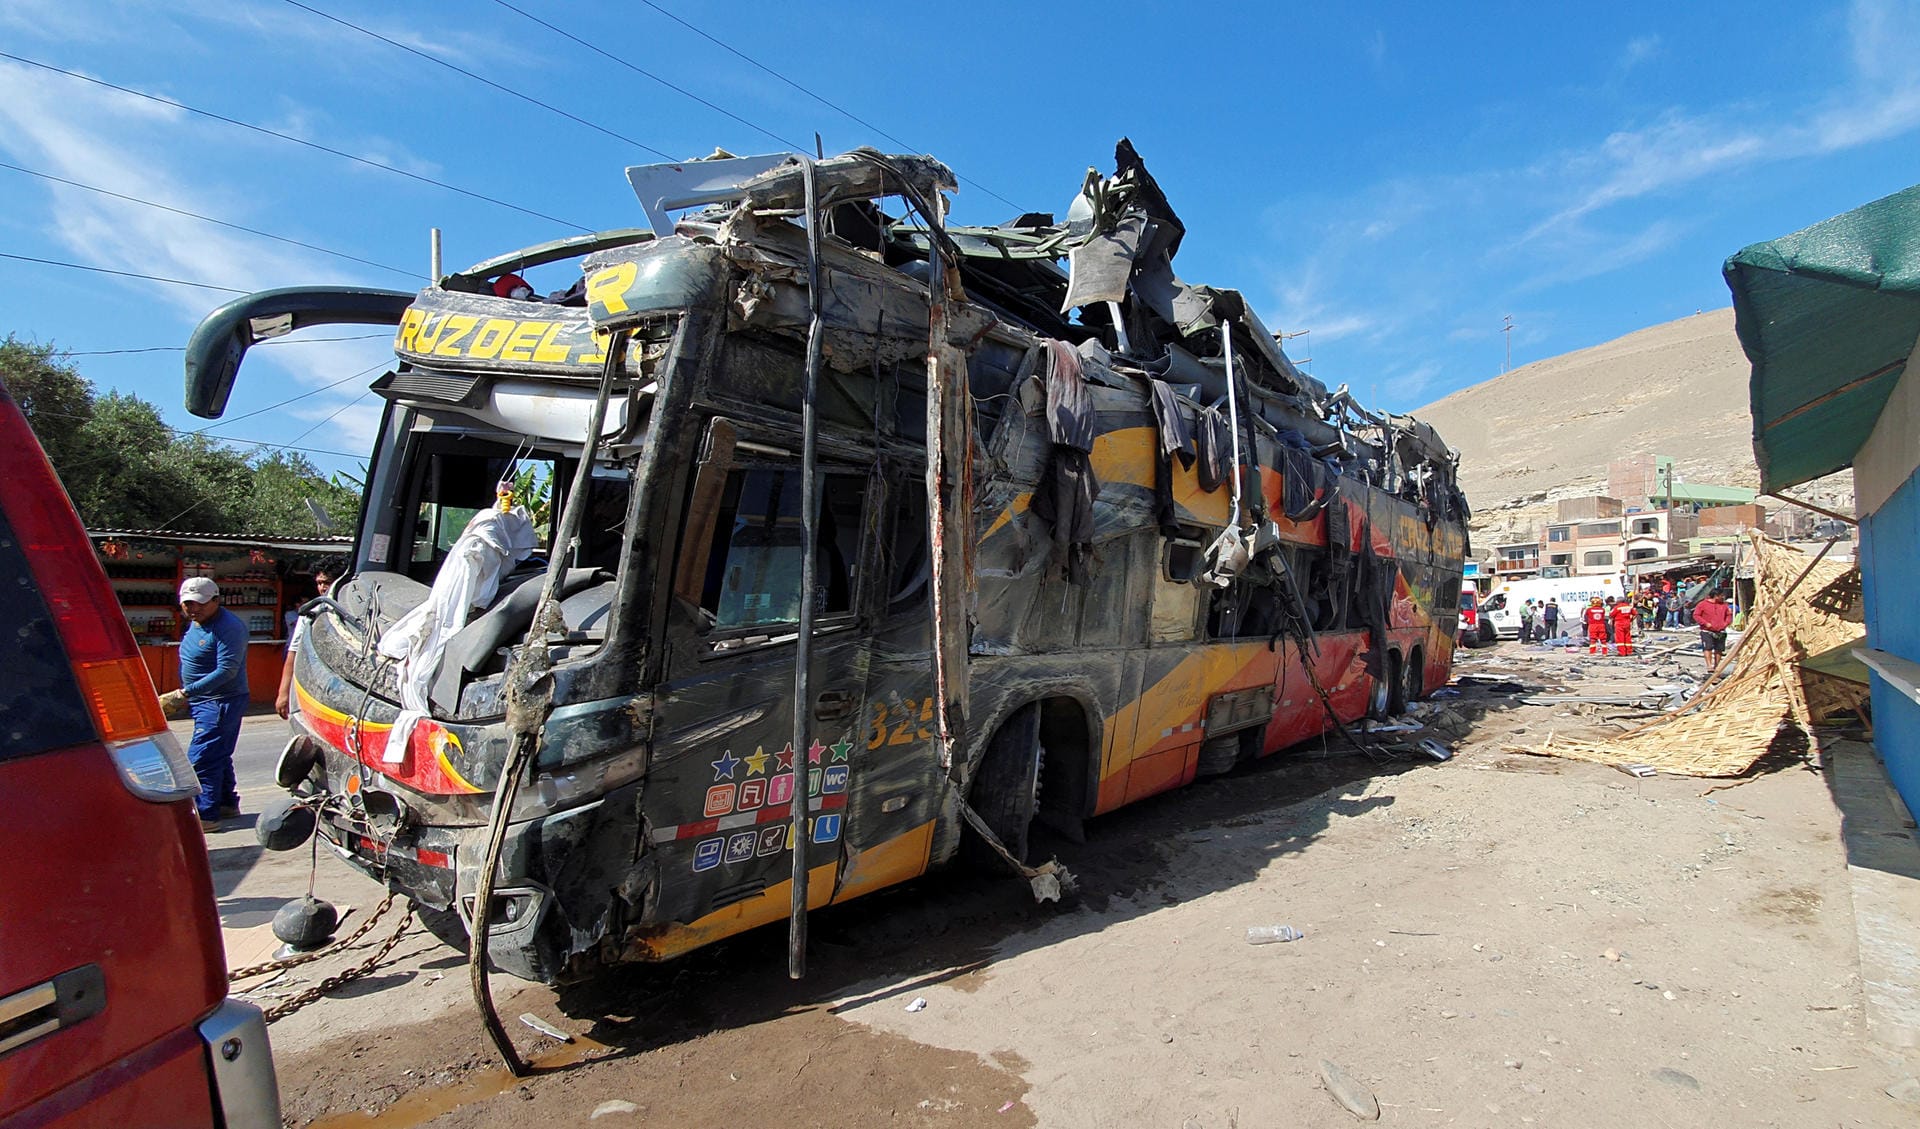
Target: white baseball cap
{"points": [[198, 590]]}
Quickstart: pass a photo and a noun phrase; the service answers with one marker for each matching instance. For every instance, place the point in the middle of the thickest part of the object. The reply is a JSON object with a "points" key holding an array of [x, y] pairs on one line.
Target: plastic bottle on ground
{"points": [[1269, 934]]}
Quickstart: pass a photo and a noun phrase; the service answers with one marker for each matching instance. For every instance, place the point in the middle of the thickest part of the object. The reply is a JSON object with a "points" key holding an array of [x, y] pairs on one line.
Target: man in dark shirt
{"points": [[1550, 618], [213, 684]]}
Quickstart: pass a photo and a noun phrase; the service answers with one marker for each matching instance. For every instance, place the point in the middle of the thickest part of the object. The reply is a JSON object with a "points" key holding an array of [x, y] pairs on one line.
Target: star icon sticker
{"points": [[756, 762], [813, 754], [841, 748], [783, 760], [723, 768]]}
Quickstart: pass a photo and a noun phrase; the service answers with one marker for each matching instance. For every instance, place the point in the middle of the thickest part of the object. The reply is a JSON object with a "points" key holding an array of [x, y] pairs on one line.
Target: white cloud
{"points": [[1638, 50], [1679, 148], [97, 136], [1603, 253], [1413, 384], [1301, 307]]}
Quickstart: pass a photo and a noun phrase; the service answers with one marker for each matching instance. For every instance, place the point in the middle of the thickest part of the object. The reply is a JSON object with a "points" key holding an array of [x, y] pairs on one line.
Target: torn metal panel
{"points": [[658, 817], [863, 174], [1099, 268], [667, 188]]}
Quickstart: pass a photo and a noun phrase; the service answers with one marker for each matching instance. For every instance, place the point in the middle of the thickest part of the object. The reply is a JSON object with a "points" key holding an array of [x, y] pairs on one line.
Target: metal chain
{"points": [[305, 958], [346, 976]]}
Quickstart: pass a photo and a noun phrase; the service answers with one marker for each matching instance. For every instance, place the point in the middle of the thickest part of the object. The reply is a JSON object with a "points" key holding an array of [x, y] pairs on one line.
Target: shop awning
{"points": [[1828, 317]]}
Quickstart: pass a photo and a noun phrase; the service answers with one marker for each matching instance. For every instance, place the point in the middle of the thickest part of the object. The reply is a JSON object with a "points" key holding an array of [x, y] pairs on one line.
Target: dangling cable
{"points": [[527, 677]]}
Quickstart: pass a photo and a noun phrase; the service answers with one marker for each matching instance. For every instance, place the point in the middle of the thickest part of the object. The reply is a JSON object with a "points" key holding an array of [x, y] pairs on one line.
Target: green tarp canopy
{"points": [[1828, 317]]}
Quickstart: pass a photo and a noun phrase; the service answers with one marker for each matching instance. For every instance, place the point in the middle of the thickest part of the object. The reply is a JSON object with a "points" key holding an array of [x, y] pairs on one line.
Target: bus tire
{"points": [[1380, 697], [1396, 684], [1006, 789]]}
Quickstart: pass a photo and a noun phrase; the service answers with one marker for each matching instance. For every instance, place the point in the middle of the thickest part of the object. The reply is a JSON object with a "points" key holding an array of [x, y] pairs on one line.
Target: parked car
{"points": [[1475, 629], [113, 979]]}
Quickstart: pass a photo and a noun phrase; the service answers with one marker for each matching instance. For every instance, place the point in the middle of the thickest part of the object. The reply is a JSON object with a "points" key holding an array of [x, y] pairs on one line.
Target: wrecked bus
{"points": [[1080, 532]]}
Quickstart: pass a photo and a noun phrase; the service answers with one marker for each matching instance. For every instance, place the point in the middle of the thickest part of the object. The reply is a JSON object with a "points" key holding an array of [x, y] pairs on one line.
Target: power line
{"points": [[357, 159], [331, 417], [236, 439], [292, 399], [794, 145], [183, 348], [501, 87], [837, 108], [209, 219], [121, 273]]}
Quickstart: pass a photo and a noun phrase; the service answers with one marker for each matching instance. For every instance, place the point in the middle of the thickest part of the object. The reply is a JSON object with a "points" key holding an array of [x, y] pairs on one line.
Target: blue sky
{"points": [[1393, 177]]}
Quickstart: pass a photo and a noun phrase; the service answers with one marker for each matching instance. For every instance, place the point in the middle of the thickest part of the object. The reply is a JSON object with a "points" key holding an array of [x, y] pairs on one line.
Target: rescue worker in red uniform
{"points": [[1596, 617], [1623, 616]]}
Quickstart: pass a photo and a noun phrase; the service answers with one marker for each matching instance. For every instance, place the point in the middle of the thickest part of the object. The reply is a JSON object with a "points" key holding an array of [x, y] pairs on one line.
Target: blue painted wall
{"points": [[1890, 571]]}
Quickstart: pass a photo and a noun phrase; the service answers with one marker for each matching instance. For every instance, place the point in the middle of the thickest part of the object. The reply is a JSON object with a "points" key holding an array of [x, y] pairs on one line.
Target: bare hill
{"points": [[1547, 430]]}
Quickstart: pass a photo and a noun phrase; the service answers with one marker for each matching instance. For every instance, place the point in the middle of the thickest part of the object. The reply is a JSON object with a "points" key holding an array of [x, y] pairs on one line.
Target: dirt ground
{"points": [[1496, 940]]}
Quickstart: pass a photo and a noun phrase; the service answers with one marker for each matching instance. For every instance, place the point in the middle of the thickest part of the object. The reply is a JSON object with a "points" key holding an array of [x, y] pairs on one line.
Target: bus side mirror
{"points": [[709, 486]]}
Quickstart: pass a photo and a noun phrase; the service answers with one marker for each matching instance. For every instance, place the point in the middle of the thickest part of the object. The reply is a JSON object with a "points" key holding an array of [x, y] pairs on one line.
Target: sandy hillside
{"points": [[1547, 430]]}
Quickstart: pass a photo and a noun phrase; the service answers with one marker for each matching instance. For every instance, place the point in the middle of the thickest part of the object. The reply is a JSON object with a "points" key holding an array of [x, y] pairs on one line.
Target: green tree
{"points": [[55, 398], [283, 481], [125, 468], [116, 483]]}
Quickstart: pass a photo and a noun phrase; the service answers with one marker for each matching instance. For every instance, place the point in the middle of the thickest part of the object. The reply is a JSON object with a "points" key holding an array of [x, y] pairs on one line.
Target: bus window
{"points": [[907, 562], [753, 569], [455, 485]]}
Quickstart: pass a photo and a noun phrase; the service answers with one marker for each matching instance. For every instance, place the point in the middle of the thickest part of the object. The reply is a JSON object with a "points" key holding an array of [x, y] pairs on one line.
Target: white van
{"points": [[1501, 607]]}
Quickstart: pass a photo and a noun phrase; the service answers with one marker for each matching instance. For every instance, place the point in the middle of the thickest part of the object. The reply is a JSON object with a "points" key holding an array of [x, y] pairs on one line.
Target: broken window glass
{"points": [[753, 570]]}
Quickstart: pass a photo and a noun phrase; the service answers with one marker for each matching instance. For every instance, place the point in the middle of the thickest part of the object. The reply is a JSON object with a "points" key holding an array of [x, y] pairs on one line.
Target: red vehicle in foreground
{"points": [[113, 984]]}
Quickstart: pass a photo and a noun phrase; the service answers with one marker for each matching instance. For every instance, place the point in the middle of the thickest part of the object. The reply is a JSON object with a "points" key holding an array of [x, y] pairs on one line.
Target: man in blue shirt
{"points": [[213, 683]]}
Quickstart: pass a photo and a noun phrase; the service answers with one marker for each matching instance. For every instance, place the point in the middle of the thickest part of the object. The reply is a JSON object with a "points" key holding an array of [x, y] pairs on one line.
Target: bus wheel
{"points": [[1399, 677], [1385, 688], [1006, 788]]}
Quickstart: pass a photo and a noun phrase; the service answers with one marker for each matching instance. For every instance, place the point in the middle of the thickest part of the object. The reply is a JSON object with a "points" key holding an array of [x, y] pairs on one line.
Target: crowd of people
{"points": [[1610, 623]]}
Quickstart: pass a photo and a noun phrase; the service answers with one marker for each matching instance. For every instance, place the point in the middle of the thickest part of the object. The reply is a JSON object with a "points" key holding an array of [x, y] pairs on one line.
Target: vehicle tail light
{"points": [[155, 768], [99, 644]]}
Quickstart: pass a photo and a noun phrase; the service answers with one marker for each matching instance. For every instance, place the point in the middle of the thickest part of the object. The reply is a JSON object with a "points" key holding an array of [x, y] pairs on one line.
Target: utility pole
{"points": [[1506, 331]]}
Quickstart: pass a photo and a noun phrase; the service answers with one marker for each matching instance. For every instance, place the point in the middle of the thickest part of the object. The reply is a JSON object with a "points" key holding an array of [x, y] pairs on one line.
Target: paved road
{"points": [[253, 883]]}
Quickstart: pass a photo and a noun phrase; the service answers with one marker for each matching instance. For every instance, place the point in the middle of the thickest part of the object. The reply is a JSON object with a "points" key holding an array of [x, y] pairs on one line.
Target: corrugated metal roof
{"points": [[1828, 317], [257, 540]]}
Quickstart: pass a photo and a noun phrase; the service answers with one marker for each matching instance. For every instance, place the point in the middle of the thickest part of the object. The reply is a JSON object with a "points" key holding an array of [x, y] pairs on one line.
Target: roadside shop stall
{"points": [[260, 579]]}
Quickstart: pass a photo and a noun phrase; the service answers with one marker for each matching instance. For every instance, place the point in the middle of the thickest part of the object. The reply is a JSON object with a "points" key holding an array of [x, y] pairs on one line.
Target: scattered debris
{"points": [[1640, 770], [1674, 1077], [1271, 934], [919, 1004], [612, 1106], [1353, 1097], [1611, 954], [545, 1028]]}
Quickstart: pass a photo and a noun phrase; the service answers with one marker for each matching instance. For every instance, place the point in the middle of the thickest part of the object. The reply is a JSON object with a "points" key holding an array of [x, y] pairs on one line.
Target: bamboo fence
{"points": [[1800, 608]]}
